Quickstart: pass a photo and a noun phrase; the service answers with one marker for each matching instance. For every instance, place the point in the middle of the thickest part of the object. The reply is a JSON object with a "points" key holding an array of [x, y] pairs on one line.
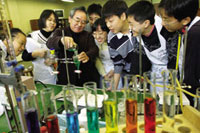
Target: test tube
{"points": [[150, 103], [49, 108], [131, 103], [30, 112], [197, 99], [110, 106], [70, 103], [91, 105]]}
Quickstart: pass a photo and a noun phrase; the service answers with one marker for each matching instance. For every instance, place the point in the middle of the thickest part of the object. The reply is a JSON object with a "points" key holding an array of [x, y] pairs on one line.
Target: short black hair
{"points": [[141, 11], [13, 32], [100, 22], [94, 8], [114, 7], [180, 9], [44, 16], [73, 11]]}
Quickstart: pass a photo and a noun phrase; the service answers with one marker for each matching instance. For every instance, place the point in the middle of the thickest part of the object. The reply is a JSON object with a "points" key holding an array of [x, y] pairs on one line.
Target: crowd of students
{"points": [[108, 46]]}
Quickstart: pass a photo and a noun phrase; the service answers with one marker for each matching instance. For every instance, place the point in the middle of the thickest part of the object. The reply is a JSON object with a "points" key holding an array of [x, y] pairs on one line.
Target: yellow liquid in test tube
{"points": [[110, 108]]}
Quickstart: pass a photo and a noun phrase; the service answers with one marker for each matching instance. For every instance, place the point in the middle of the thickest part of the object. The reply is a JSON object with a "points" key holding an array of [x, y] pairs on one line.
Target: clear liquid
{"points": [[168, 111], [32, 120], [72, 122], [93, 121], [110, 109]]}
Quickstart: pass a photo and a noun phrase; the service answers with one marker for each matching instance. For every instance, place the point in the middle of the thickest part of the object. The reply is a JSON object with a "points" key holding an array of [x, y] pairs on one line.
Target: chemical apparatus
{"points": [[133, 83]]}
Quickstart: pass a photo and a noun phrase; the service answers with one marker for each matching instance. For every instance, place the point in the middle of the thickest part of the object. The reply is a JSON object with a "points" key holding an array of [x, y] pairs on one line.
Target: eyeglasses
{"points": [[83, 22]]}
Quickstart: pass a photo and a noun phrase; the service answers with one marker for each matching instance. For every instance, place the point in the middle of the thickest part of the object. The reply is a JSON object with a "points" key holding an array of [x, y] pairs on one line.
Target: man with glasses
{"points": [[176, 15], [75, 36]]}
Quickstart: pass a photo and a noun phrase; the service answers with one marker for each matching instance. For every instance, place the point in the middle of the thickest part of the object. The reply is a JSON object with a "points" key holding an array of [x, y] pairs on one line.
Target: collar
{"points": [[4, 49], [196, 19], [120, 35], [150, 31]]}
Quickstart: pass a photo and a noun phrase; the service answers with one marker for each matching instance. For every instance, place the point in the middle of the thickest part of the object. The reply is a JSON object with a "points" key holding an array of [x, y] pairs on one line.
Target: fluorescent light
{"points": [[67, 0]]}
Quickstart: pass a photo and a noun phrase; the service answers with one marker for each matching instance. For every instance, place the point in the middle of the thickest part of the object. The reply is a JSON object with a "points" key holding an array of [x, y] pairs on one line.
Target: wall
{"points": [[22, 11]]}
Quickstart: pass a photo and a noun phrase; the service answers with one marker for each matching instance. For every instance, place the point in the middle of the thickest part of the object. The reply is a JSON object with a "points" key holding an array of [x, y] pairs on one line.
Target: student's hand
{"points": [[39, 53], [68, 42], [106, 77], [83, 57], [110, 74]]}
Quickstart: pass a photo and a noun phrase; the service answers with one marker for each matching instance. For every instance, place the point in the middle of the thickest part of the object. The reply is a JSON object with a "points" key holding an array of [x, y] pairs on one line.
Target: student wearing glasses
{"points": [[74, 35], [176, 15]]}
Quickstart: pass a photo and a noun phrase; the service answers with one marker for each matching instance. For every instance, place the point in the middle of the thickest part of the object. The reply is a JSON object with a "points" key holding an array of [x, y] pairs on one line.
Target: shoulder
{"points": [[35, 33], [195, 29], [86, 34], [110, 36]]}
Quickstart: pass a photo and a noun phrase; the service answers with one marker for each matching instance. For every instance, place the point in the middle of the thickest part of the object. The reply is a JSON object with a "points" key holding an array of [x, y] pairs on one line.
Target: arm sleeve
{"points": [[93, 51], [55, 41], [100, 67], [27, 56], [192, 60]]}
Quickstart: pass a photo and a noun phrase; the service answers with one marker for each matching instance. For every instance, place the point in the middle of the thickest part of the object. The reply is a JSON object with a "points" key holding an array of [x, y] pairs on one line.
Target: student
{"points": [[93, 12], [74, 35], [36, 49], [119, 39], [176, 14], [104, 64], [18, 41], [142, 20]]}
